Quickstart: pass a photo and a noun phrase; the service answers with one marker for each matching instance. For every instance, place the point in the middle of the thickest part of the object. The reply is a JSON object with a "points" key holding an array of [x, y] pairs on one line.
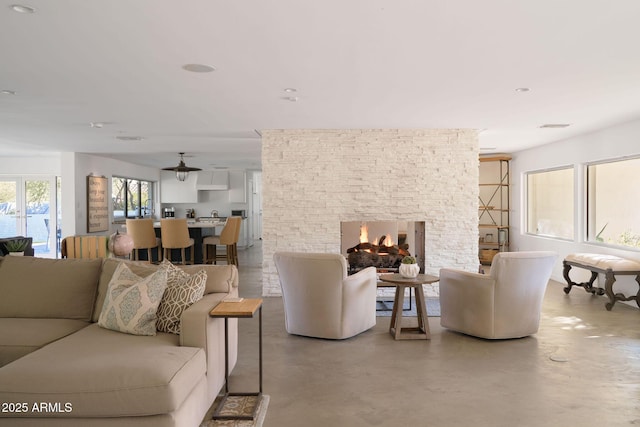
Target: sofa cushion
{"points": [[131, 302], [21, 336], [220, 278], [102, 373], [48, 288], [109, 265], [182, 291]]}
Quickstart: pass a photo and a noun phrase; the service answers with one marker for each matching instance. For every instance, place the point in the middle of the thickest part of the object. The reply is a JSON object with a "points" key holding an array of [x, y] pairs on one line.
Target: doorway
{"points": [[29, 207]]}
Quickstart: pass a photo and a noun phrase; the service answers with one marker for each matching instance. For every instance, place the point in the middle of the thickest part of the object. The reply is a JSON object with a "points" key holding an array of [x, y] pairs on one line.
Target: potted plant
{"points": [[16, 247], [409, 267]]}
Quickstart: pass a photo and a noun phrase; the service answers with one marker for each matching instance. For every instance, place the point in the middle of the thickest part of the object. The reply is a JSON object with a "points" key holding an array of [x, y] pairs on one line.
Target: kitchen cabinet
{"points": [[237, 187], [213, 180], [174, 191], [493, 209]]}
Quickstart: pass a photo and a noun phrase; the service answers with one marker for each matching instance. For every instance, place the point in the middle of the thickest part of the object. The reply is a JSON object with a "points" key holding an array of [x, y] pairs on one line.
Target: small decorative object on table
{"points": [[16, 247], [120, 244], [409, 267]]}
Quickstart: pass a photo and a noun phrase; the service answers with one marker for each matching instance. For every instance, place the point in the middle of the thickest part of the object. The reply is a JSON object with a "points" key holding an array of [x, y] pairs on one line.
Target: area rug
{"points": [[383, 308], [240, 405]]}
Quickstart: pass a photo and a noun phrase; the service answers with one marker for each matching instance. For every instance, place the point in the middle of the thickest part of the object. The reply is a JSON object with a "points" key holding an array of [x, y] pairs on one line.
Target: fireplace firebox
{"points": [[382, 244]]}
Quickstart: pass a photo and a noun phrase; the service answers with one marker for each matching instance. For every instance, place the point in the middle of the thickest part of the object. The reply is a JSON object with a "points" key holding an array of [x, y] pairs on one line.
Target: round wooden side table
{"points": [[421, 332]]}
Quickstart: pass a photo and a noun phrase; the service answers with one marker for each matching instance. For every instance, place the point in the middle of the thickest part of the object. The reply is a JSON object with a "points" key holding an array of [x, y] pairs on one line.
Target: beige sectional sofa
{"points": [[58, 367]]}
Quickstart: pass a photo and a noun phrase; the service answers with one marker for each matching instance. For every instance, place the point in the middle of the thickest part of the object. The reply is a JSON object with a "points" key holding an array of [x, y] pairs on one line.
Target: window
{"points": [[613, 203], [131, 198], [550, 206]]}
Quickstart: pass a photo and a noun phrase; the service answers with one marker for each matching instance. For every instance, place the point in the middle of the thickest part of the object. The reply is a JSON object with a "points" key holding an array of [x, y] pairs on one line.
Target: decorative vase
{"points": [[410, 271], [120, 244]]}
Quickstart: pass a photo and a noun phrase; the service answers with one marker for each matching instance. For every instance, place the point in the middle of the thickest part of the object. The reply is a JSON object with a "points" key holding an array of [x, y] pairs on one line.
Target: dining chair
{"points": [[174, 234], [144, 237], [228, 237]]}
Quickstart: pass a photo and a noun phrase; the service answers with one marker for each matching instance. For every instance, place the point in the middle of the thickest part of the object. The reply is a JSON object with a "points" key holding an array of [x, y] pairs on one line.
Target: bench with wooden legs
{"points": [[608, 265]]}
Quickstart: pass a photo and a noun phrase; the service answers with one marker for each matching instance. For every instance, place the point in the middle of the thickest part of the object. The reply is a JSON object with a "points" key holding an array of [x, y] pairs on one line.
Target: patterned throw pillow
{"points": [[182, 291], [131, 302]]}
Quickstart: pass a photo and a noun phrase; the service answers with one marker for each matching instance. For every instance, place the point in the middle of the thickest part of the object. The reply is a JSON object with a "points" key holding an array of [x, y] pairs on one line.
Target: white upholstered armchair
{"points": [[320, 300], [505, 303]]}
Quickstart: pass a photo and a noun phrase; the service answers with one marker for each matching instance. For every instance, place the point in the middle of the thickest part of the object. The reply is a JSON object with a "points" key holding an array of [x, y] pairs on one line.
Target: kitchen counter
{"points": [[192, 223]]}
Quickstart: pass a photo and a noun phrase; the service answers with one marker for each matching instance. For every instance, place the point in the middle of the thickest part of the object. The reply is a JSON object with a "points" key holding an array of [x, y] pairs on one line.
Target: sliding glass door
{"points": [[28, 208]]}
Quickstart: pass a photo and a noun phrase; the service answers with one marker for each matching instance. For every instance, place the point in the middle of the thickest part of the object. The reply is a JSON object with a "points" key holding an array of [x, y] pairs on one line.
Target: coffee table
{"points": [[395, 328]]}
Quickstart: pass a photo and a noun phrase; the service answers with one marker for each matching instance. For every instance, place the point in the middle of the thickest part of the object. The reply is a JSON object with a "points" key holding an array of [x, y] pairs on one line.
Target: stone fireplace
{"points": [[314, 180]]}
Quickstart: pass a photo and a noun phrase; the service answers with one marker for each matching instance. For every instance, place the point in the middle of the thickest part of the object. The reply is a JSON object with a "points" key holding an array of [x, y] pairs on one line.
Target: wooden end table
{"points": [[421, 332], [242, 309]]}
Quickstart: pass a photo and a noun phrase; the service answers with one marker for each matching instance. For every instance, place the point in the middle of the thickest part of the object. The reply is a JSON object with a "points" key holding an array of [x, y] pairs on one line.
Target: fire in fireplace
{"points": [[382, 253], [381, 244]]}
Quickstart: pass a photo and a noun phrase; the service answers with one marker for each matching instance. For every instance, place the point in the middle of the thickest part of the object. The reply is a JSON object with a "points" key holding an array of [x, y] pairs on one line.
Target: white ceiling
{"points": [[354, 63]]}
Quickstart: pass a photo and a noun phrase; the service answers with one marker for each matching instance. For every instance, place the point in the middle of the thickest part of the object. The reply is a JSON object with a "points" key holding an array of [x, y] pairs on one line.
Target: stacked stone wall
{"points": [[314, 179]]}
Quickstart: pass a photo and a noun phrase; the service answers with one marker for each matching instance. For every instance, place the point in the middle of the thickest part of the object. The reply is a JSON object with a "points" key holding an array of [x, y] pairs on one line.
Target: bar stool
{"points": [[144, 237], [175, 235], [235, 242], [227, 237]]}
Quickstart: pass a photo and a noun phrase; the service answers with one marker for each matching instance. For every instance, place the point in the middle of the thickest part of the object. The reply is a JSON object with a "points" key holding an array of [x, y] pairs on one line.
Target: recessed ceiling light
{"points": [[290, 90], [129, 138], [291, 98], [555, 125], [97, 125], [7, 92], [198, 68], [522, 89], [20, 8]]}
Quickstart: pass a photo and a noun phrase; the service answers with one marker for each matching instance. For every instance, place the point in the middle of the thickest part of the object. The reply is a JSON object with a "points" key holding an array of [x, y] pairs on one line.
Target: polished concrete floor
{"points": [[581, 369]]}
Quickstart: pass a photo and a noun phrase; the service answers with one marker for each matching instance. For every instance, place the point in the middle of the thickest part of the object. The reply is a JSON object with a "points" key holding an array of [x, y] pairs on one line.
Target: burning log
{"points": [[367, 254], [402, 249]]}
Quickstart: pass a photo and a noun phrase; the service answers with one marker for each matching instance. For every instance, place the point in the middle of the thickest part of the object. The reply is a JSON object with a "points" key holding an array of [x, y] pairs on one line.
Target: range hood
{"points": [[212, 180]]}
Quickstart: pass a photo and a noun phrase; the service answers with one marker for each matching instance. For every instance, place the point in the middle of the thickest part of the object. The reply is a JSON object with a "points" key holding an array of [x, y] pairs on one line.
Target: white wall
{"points": [[40, 165], [75, 169], [614, 142], [314, 179]]}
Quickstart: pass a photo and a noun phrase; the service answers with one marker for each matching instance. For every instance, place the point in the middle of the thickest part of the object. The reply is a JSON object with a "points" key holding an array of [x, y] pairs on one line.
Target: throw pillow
{"points": [[131, 302], [183, 290]]}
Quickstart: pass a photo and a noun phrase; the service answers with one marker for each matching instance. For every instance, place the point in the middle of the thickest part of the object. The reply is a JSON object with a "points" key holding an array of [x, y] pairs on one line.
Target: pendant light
{"points": [[182, 170]]}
